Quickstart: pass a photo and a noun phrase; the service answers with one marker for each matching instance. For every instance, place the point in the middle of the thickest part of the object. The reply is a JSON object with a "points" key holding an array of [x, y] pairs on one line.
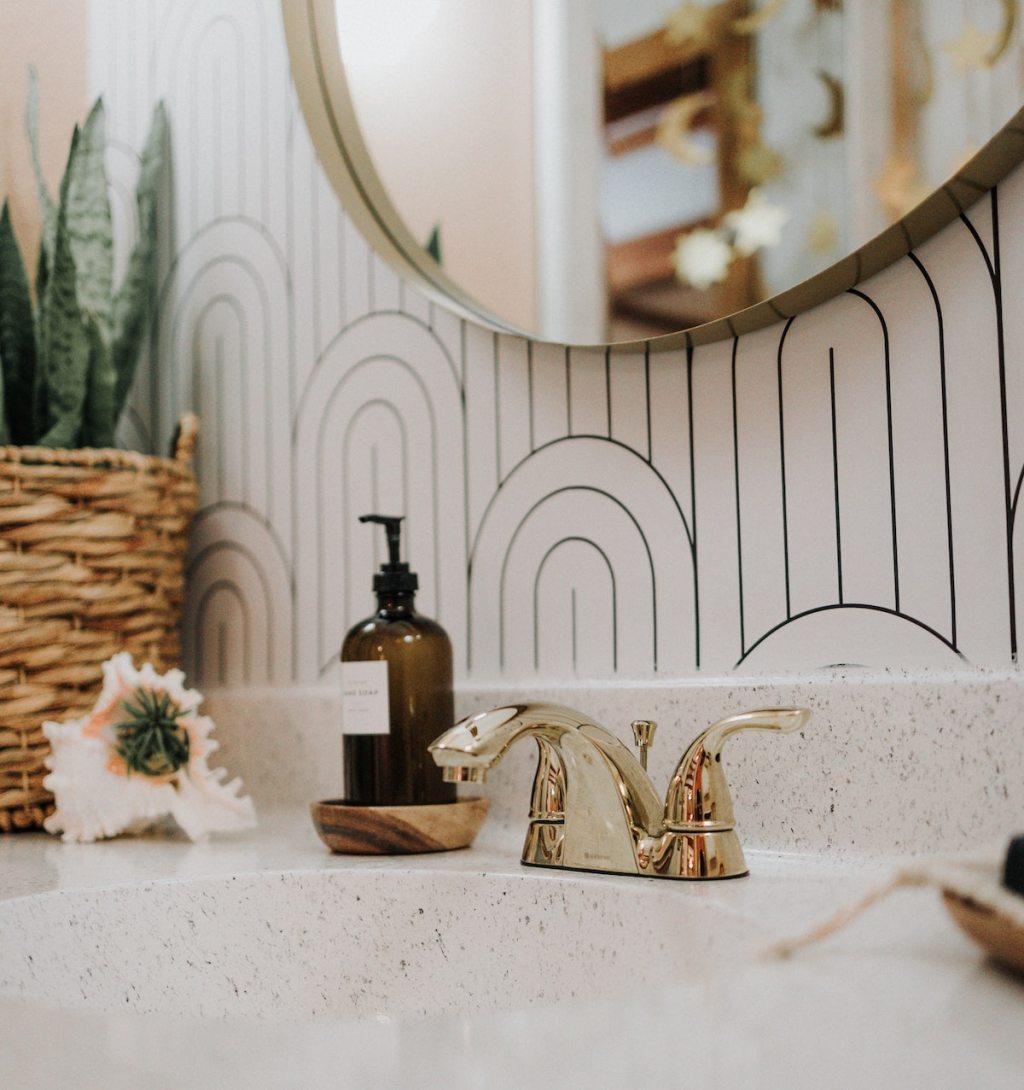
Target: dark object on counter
{"points": [[398, 830], [1013, 871], [994, 926], [396, 692], [998, 935]]}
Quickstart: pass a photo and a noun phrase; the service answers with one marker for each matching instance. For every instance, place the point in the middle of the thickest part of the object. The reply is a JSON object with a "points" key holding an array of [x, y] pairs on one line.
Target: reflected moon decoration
{"points": [[669, 126]]}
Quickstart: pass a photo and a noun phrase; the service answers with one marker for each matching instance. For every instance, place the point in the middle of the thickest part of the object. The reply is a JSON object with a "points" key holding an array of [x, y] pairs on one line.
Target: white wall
{"points": [[450, 130], [834, 489]]}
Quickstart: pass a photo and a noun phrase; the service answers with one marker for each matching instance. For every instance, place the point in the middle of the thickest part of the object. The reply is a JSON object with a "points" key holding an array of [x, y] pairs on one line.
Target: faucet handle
{"points": [[698, 794], [643, 735]]}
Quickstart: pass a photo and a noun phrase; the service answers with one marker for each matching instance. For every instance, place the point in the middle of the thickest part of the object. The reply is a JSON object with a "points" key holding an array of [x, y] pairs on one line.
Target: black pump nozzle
{"points": [[393, 528], [394, 575]]}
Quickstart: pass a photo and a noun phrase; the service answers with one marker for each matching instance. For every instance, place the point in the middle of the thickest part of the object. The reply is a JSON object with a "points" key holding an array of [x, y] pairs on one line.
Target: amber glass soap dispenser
{"points": [[396, 673]]}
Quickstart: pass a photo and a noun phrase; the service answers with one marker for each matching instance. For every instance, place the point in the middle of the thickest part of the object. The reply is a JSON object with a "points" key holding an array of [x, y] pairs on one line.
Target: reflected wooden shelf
{"points": [[641, 79], [649, 297]]}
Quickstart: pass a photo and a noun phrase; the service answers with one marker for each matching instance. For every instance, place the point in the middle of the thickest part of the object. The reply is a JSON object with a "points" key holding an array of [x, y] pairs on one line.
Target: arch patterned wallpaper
{"points": [[841, 488]]}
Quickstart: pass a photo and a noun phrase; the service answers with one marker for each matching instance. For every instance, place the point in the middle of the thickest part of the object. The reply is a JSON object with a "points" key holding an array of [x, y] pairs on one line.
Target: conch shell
{"points": [[139, 755]]}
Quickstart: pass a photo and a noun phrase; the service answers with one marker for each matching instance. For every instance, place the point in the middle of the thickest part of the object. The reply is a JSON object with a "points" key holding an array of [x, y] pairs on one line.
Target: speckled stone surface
{"points": [[268, 924], [891, 763], [333, 944], [261, 960]]}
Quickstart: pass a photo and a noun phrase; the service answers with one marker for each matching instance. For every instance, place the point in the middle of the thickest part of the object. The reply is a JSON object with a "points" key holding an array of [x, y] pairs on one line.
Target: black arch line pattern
{"points": [[235, 588], [993, 264], [540, 567], [689, 535], [297, 259], [552, 549], [220, 629], [745, 648], [948, 639]]}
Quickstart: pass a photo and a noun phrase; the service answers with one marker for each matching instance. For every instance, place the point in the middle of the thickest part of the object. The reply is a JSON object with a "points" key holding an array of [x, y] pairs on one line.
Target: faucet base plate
{"points": [[637, 874], [689, 854]]}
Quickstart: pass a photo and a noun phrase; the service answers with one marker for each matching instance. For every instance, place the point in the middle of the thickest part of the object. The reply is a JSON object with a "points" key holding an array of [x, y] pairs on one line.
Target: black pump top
{"points": [[394, 577]]}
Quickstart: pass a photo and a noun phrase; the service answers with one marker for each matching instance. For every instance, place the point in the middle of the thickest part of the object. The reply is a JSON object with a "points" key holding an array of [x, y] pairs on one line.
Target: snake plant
{"points": [[68, 350]]}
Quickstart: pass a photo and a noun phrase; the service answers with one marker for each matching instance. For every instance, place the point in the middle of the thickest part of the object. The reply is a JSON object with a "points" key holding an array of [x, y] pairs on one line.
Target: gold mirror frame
{"points": [[318, 73]]}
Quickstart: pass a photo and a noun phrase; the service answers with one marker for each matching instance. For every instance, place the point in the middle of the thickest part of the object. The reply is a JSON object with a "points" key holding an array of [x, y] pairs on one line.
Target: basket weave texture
{"points": [[92, 562]]}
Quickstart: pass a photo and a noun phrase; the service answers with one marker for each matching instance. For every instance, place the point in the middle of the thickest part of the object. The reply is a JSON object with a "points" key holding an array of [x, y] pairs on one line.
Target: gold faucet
{"points": [[593, 806]]}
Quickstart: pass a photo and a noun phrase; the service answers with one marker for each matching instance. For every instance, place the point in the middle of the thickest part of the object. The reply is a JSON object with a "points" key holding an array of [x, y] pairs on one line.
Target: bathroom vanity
{"points": [[266, 962], [263, 960]]}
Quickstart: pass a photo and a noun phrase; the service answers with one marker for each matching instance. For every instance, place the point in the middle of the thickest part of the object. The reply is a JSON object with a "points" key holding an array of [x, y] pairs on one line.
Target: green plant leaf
{"points": [[63, 335], [17, 341], [99, 416], [4, 435], [46, 204], [133, 302], [42, 271], [38, 387], [89, 222], [433, 245]]}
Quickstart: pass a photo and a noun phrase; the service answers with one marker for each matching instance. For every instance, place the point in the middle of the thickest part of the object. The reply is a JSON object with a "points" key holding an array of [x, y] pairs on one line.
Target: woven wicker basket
{"points": [[92, 562]]}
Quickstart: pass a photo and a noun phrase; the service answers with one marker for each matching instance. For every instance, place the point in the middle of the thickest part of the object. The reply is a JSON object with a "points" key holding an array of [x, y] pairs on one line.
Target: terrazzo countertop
{"points": [[897, 762], [261, 960], [467, 970]]}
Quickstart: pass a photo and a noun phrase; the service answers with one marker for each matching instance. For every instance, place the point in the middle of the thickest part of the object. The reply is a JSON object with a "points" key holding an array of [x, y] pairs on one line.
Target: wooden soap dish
{"points": [[1001, 937], [398, 830]]}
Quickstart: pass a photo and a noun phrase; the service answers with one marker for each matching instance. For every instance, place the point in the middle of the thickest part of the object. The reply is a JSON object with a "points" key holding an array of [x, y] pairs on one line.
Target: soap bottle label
{"points": [[364, 698]]}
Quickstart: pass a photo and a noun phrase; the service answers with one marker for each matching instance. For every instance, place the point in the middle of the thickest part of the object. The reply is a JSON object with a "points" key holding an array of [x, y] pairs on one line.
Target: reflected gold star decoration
{"points": [[822, 233], [758, 163], [690, 23], [971, 48], [899, 186], [752, 23]]}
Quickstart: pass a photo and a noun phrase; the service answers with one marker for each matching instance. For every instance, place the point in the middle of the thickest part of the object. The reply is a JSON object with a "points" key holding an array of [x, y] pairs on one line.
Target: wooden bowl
{"points": [[1002, 938], [398, 830]]}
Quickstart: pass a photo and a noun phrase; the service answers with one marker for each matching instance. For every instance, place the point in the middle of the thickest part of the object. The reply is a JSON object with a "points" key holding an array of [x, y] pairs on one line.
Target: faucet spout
{"points": [[593, 806], [591, 801]]}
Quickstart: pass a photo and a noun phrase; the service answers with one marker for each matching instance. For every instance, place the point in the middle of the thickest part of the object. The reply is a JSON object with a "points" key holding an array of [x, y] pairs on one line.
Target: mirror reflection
{"points": [[605, 170]]}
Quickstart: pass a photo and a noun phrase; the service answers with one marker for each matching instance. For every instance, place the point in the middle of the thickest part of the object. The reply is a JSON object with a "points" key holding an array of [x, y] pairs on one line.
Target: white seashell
{"points": [[97, 796]]}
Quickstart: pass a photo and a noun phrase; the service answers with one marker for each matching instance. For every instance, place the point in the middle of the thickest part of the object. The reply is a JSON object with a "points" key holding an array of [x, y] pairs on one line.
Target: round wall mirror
{"points": [[594, 171]]}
